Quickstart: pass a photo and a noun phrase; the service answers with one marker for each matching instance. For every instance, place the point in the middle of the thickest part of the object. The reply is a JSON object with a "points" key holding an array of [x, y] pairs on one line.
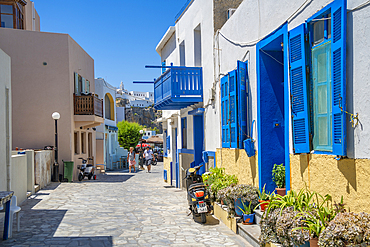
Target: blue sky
{"points": [[120, 35]]}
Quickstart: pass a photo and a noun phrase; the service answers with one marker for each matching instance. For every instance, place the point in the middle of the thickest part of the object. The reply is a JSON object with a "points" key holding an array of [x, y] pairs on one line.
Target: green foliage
{"points": [[263, 195], [246, 208], [128, 134], [278, 175], [247, 193], [216, 180]]}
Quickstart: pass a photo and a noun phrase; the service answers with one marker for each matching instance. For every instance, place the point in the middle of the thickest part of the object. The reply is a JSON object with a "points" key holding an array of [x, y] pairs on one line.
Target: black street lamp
{"points": [[56, 117]]}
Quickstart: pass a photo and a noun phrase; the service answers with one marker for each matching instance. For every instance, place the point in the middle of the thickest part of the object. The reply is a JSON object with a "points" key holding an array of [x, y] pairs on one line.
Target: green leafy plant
{"points": [[263, 195], [216, 180], [128, 134], [278, 175], [246, 208], [318, 215]]}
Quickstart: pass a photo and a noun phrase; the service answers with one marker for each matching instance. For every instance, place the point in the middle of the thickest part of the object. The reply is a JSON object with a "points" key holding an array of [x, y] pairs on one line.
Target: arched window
{"points": [[109, 107]]}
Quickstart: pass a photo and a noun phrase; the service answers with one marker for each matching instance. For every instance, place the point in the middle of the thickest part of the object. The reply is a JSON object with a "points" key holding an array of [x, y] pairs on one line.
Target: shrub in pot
{"points": [[347, 229], [223, 195], [242, 193], [278, 176], [216, 179]]}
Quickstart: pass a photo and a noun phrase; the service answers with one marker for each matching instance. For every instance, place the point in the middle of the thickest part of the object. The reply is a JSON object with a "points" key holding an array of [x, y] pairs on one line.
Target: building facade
{"points": [[283, 83], [51, 72], [108, 149]]}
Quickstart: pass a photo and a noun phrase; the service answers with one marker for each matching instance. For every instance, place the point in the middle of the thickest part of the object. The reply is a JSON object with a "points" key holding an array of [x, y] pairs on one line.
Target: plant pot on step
{"points": [[306, 244], [264, 204], [281, 191], [238, 205], [314, 242], [248, 219]]}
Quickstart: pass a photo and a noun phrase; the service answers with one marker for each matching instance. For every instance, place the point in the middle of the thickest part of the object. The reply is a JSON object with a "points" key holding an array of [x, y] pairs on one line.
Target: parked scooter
{"points": [[198, 196], [155, 159], [86, 170]]}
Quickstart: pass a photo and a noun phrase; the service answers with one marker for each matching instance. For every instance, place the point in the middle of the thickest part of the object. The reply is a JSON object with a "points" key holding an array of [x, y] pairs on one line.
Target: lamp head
{"points": [[55, 115], [141, 131]]}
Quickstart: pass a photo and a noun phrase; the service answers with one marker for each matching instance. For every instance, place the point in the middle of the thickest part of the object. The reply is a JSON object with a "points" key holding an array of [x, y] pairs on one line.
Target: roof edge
{"points": [[170, 31]]}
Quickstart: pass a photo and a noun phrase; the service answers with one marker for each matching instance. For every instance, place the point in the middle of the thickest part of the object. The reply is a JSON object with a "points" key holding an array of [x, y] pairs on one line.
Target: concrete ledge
{"points": [[221, 214]]}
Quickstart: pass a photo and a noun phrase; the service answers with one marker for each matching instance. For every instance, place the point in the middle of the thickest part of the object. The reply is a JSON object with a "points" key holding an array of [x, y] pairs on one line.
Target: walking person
{"points": [[148, 155], [131, 159], [141, 159]]}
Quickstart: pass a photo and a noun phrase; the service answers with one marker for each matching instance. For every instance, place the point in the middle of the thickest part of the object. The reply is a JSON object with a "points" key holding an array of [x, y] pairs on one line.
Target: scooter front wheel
{"points": [[203, 218], [80, 177]]}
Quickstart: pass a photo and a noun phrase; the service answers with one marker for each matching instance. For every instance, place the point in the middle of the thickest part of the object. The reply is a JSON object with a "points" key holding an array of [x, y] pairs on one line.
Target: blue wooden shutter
{"points": [[77, 91], [298, 89], [168, 142], [225, 111], [243, 83], [338, 52], [233, 115]]}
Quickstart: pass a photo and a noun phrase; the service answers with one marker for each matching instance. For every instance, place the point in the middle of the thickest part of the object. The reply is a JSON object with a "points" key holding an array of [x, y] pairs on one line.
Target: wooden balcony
{"points": [[88, 105]]}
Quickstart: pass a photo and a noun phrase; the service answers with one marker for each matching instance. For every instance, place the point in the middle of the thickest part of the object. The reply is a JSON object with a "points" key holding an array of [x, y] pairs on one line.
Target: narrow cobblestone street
{"points": [[119, 208]]}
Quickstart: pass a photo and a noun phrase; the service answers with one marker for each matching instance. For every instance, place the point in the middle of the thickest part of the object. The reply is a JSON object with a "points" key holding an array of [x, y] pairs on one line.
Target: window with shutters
{"points": [[234, 107], [317, 52]]}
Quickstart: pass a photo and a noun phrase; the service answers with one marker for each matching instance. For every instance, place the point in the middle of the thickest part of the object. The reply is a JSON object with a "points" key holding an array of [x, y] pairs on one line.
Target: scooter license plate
{"points": [[202, 208]]}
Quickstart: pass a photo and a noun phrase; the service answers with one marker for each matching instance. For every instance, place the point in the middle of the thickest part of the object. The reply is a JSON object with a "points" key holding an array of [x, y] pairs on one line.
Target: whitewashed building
{"points": [[282, 83], [107, 147]]}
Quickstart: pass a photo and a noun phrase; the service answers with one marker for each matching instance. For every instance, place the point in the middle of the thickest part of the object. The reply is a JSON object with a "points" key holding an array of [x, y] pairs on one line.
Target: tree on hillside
{"points": [[128, 134]]}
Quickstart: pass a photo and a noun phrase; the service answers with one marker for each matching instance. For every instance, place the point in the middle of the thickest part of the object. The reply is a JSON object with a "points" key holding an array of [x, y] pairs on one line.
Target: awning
{"points": [[109, 127]]}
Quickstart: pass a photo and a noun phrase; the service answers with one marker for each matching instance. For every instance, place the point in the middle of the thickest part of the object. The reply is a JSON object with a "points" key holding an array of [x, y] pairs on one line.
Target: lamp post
{"points": [[56, 117]]}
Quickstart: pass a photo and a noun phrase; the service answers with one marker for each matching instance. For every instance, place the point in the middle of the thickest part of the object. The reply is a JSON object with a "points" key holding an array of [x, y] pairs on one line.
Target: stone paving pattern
{"points": [[117, 209]]}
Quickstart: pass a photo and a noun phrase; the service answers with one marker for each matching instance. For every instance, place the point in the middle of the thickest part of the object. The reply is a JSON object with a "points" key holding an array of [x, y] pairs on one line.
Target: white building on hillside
{"points": [[108, 149]]}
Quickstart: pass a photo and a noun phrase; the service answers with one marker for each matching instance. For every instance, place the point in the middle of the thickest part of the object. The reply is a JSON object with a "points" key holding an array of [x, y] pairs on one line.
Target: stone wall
{"points": [[167, 166], [144, 116], [44, 160], [236, 162], [326, 175], [220, 8]]}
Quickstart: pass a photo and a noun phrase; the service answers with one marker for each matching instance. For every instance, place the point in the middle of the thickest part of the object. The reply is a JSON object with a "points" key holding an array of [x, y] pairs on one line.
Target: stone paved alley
{"points": [[119, 208]]}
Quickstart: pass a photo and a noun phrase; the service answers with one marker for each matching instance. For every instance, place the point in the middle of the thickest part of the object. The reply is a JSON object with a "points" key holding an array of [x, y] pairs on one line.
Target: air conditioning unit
{"points": [[230, 12]]}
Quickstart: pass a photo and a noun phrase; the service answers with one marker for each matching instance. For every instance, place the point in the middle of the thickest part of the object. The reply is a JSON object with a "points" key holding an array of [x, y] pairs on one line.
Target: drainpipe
{"points": [[7, 118]]}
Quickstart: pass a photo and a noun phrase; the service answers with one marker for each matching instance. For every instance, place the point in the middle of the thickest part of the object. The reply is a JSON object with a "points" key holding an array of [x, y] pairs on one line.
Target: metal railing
{"points": [[88, 105]]}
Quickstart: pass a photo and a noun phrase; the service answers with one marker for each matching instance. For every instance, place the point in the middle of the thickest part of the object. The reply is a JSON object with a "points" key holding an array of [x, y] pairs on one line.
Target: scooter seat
{"points": [[196, 186]]}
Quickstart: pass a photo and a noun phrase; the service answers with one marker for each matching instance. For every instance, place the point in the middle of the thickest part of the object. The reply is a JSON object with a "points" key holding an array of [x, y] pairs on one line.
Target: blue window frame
{"points": [[234, 107], [184, 133], [317, 52]]}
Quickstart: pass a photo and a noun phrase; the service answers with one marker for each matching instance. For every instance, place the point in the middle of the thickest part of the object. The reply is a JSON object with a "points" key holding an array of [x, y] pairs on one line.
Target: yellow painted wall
{"points": [[167, 166], [325, 175], [236, 162]]}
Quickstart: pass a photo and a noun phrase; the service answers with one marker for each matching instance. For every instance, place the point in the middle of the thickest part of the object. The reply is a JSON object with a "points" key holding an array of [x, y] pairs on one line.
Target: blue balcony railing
{"points": [[178, 87]]}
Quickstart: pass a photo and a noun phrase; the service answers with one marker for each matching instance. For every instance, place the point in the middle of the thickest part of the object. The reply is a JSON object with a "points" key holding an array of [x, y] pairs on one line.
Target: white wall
{"points": [[120, 114], [252, 22], [19, 177], [5, 122]]}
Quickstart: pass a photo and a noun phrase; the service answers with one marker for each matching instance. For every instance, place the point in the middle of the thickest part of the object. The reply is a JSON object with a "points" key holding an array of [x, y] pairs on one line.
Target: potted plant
{"points": [[278, 176], [248, 215], [347, 229], [264, 198], [223, 195], [242, 193]]}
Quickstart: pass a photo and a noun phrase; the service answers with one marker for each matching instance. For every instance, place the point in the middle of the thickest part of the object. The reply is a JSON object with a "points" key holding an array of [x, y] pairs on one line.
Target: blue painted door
{"points": [[177, 172], [198, 130]]}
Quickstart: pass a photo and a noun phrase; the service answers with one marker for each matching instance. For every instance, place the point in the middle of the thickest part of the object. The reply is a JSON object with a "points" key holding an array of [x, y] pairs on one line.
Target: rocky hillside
{"points": [[144, 116]]}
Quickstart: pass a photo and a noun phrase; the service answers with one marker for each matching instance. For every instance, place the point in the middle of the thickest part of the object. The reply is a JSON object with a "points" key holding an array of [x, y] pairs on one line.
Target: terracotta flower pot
{"points": [[264, 204], [314, 242], [281, 191]]}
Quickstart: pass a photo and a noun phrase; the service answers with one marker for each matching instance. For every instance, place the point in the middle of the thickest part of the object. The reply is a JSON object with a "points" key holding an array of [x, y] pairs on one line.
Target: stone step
{"points": [[250, 233], [37, 187], [29, 193], [258, 216]]}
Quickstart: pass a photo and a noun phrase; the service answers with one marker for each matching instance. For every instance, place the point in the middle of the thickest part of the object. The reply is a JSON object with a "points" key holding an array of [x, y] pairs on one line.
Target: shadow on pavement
{"points": [[211, 221], [38, 227], [108, 178]]}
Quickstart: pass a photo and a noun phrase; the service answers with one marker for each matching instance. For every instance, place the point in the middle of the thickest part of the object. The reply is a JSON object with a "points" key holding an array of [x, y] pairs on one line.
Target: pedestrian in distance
{"points": [[131, 159], [141, 159], [148, 155]]}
